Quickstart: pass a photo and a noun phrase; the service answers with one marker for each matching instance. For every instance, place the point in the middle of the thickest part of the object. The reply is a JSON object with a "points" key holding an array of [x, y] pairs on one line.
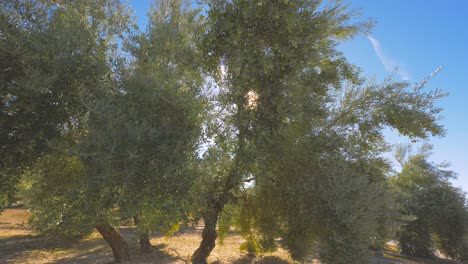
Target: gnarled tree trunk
{"points": [[143, 237], [209, 236], [116, 242], [234, 178]]}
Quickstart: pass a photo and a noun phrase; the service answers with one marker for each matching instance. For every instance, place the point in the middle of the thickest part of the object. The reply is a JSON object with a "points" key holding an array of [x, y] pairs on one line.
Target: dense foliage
{"points": [[142, 137], [249, 117], [308, 129], [434, 212], [51, 56]]}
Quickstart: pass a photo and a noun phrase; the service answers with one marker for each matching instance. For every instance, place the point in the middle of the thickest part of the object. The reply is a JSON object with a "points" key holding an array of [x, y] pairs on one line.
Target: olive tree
{"points": [[262, 48], [307, 128], [51, 55], [134, 147], [142, 138]]}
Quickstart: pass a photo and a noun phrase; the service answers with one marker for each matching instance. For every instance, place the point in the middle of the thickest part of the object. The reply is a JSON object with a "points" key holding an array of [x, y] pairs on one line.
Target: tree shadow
{"points": [[97, 255], [249, 259], [161, 252], [24, 248], [104, 256], [15, 248]]}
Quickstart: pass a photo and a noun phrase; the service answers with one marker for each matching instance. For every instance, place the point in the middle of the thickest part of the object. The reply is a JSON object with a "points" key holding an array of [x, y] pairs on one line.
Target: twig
{"points": [[178, 255]]}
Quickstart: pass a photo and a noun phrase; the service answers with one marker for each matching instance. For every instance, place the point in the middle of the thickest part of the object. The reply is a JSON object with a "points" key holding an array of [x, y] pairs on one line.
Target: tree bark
{"points": [[143, 237], [209, 236], [116, 242]]}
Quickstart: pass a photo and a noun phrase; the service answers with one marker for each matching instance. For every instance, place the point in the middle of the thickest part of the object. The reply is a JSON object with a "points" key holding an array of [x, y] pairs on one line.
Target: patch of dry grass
{"points": [[187, 241], [13, 222]]}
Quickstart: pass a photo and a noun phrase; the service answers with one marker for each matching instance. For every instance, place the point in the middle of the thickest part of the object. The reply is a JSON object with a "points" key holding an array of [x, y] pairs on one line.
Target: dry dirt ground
{"points": [[19, 244]]}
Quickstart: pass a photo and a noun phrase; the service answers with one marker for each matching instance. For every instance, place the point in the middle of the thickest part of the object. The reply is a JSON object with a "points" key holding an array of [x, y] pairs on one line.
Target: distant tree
{"points": [[433, 212]]}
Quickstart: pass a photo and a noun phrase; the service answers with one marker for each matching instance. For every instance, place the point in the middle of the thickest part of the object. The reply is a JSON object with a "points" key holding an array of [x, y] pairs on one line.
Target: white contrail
{"points": [[389, 64]]}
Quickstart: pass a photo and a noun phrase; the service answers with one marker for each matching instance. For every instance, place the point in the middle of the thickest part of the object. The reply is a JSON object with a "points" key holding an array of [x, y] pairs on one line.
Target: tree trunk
{"points": [[209, 236], [145, 243], [116, 242], [143, 237]]}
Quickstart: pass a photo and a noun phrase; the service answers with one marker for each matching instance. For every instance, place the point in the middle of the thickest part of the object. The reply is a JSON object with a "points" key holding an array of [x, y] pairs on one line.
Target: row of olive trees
{"points": [[106, 123]]}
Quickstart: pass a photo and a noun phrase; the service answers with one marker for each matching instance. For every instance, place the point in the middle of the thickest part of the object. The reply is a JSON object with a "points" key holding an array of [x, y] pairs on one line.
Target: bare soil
{"points": [[20, 244]]}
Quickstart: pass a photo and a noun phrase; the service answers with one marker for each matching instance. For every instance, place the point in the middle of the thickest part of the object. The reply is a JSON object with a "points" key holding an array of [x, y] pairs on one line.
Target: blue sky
{"points": [[417, 36]]}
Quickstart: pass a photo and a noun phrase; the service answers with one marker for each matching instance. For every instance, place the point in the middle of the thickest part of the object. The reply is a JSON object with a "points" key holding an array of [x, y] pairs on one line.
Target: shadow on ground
{"points": [[24, 248], [19, 244], [262, 260]]}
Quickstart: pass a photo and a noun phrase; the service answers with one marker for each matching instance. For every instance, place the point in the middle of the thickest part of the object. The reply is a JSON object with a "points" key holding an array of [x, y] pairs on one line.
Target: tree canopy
{"points": [[434, 213], [242, 110], [52, 56]]}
